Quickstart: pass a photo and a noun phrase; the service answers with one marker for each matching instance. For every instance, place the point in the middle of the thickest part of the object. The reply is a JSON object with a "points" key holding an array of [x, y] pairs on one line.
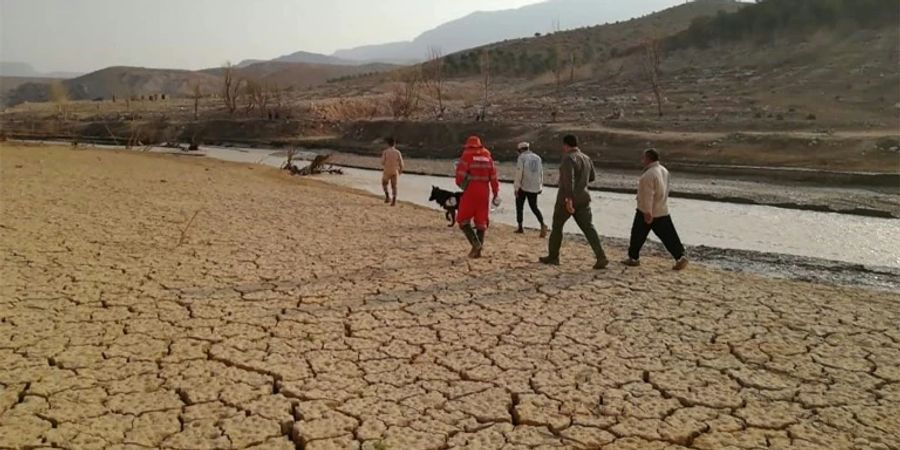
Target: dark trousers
{"points": [[532, 198], [585, 220], [662, 227]]}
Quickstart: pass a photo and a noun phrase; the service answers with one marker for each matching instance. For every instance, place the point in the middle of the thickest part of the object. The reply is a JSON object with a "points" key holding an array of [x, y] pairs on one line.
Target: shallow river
{"points": [[854, 239]]}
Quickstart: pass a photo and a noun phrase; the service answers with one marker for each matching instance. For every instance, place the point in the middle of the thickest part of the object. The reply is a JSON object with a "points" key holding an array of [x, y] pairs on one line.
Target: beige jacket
{"points": [[653, 191], [392, 161]]}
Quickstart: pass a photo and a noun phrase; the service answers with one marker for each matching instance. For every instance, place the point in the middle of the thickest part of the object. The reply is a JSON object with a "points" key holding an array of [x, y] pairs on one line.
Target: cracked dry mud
{"points": [[299, 315]]}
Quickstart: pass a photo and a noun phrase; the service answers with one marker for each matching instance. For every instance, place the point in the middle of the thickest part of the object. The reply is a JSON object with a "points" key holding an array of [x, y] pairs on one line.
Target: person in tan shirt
{"points": [[653, 213], [392, 163]]}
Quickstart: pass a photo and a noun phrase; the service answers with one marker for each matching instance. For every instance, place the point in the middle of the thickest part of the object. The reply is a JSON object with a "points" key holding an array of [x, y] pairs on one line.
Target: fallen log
{"points": [[316, 167]]}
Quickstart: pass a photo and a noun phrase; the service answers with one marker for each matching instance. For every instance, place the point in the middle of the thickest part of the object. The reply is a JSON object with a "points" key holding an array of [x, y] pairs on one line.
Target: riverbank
{"points": [[873, 201], [169, 302], [808, 246]]}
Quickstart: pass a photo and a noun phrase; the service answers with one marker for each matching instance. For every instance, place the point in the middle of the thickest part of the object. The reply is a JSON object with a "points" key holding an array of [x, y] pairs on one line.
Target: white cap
{"points": [[524, 146]]}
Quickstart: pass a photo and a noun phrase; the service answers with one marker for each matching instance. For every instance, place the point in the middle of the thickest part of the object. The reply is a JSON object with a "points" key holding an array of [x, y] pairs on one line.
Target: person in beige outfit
{"points": [[392, 163], [653, 213]]}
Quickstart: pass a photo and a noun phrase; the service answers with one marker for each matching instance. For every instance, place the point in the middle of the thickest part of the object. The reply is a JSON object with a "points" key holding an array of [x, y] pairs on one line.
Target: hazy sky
{"points": [[85, 35]]}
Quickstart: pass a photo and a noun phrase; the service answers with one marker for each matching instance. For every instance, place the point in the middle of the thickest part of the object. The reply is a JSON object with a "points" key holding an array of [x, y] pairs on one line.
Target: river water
{"points": [[853, 239]]}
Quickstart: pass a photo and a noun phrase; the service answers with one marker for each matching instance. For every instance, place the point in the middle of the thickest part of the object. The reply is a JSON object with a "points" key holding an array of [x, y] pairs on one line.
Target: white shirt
{"points": [[653, 191], [529, 173]]}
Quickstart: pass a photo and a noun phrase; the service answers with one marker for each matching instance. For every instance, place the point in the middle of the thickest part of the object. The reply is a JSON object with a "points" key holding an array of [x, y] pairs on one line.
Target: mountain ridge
{"points": [[486, 27], [24, 70]]}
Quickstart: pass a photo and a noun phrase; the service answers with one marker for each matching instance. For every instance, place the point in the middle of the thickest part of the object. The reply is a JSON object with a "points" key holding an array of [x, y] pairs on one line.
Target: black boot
{"points": [[473, 240], [480, 235]]}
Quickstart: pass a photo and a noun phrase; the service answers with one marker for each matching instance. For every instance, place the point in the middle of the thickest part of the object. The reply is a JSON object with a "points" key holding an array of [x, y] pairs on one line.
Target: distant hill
{"points": [[724, 65], [303, 57], [124, 82], [482, 28], [135, 81], [23, 70], [17, 69], [10, 84], [314, 58], [591, 45]]}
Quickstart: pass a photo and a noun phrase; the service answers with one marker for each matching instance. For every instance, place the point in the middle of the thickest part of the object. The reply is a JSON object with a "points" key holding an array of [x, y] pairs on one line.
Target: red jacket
{"points": [[476, 167]]}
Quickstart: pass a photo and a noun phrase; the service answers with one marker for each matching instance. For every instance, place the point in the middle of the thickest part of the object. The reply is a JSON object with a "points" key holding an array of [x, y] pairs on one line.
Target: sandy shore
{"points": [[874, 201], [292, 314]]}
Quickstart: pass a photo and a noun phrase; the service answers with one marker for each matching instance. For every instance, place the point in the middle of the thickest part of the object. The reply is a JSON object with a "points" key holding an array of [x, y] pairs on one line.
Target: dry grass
{"points": [[347, 109]]}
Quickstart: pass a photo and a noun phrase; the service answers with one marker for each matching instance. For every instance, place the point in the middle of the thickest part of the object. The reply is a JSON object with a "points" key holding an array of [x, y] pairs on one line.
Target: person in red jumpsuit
{"points": [[477, 176]]}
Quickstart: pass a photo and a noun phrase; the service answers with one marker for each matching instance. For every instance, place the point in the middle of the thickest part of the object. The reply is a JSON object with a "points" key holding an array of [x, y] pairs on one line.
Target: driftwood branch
{"points": [[186, 228], [317, 166]]}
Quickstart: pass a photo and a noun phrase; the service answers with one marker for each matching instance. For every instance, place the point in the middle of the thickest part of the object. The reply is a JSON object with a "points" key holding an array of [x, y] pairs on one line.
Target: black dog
{"points": [[448, 200]]}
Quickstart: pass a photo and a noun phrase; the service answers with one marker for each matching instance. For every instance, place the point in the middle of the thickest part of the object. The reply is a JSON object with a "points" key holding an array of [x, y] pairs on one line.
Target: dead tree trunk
{"points": [[652, 59], [486, 83]]}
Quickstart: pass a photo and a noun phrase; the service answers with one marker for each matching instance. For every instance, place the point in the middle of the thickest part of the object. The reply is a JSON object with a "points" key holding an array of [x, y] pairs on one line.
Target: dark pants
{"points": [[532, 198], [662, 227], [585, 220]]}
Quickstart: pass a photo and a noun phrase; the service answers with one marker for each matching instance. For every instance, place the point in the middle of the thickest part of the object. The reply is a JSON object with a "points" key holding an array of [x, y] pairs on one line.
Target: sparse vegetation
{"points": [[258, 96], [433, 76], [404, 100], [346, 109]]}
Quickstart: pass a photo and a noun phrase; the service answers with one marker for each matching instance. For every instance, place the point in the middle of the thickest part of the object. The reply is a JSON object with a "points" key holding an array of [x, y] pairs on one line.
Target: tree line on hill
{"points": [[760, 21], [768, 18]]}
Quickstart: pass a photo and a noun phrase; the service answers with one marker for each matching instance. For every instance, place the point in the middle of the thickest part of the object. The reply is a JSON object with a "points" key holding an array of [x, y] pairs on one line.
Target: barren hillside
{"points": [[300, 75], [137, 82]]}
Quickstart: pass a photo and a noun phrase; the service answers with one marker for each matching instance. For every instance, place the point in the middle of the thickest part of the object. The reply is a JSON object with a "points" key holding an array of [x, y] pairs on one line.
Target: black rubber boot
{"points": [[472, 237], [480, 235]]}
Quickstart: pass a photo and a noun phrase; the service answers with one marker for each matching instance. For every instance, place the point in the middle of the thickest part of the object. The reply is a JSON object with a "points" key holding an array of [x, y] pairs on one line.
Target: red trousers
{"points": [[475, 204]]}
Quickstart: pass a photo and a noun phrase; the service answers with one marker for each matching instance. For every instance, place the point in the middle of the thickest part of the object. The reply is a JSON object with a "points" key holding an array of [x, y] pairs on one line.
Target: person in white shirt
{"points": [[653, 213], [528, 184]]}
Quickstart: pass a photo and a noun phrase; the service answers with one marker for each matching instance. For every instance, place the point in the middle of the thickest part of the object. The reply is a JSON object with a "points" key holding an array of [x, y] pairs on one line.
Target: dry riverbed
{"points": [[157, 301]]}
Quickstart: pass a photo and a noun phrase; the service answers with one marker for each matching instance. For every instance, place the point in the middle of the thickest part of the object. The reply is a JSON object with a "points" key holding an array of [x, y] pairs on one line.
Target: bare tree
{"points": [[404, 101], [59, 94], [485, 83], [433, 77], [571, 67], [563, 55], [263, 98], [557, 61], [278, 99], [197, 94], [651, 59], [259, 95], [231, 88], [250, 88]]}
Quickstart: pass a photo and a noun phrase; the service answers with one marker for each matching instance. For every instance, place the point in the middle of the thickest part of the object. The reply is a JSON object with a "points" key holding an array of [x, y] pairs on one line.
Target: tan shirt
{"points": [[653, 191], [392, 161]]}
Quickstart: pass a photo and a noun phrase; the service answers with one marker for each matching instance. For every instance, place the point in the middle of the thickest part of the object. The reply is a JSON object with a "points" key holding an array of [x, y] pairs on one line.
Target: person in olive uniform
{"points": [[573, 200]]}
